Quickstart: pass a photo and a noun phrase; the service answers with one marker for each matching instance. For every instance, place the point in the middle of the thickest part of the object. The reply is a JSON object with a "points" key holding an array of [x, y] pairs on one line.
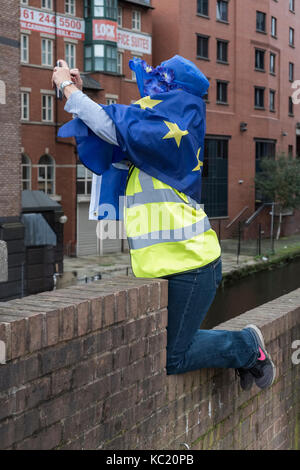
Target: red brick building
{"points": [[99, 37], [250, 51]]}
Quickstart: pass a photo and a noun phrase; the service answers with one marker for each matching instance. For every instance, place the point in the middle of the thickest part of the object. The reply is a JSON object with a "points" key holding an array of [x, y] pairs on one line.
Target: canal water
{"points": [[256, 289]]}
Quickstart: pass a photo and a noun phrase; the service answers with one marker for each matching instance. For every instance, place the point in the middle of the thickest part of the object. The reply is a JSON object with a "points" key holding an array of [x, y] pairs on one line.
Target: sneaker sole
{"points": [[259, 333]]}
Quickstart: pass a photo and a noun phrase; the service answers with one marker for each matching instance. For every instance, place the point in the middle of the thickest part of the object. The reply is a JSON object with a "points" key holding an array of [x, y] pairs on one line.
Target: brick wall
{"points": [[10, 189], [85, 369]]}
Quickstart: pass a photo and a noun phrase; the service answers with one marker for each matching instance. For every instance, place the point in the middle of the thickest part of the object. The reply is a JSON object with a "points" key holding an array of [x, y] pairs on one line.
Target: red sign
{"points": [[48, 23], [105, 30]]}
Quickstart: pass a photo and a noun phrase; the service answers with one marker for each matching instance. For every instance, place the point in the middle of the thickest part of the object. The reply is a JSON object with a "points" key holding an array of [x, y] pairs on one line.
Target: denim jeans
{"points": [[188, 348]]}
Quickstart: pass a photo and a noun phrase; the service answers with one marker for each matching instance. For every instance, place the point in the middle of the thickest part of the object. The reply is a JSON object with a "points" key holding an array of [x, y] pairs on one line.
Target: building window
{"points": [[84, 180], [222, 88], [291, 71], [292, 37], [25, 106], [24, 48], [70, 55], [46, 174], [120, 63], [291, 151], [273, 26], [24, 2], [259, 100], [111, 101], [202, 7], [87, 8], [222, 51], [272, 63], [272, 100], [47, 52], [291, 106], [111, 9], [99, 8], [47, 4], [105, 58], [215, 177], [26, 172], [88, 59], [263, 149], [202, 46], [70, 7], [133, 76], [136, 20], [292, 5], [47, 108], [120, 17], [260, 22], [259, 59], [222, 10]]}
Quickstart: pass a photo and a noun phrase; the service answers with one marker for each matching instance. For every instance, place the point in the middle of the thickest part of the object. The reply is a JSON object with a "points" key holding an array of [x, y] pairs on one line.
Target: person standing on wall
{"points": [[179, 245]]}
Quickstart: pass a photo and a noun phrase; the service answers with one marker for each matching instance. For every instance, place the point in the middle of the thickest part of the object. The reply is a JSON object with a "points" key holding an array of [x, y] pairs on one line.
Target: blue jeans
{"points": [[188, 348]]}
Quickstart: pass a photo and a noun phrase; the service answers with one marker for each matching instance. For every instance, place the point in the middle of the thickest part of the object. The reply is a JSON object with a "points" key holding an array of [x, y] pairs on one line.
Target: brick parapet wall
{"points": [[85, 369]]}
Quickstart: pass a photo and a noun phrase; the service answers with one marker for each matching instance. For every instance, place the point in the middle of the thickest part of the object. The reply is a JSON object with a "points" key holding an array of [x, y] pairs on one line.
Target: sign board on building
{"points": [[134, 42], [105, 30], [44, 22]]}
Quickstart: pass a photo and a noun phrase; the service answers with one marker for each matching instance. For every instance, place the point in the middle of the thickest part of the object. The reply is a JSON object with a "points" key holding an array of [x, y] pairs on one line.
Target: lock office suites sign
{"points": [[105, 30]]}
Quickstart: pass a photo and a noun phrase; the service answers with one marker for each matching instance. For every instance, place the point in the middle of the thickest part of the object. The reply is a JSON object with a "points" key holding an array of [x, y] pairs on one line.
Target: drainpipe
{"points": [[57, 141]]}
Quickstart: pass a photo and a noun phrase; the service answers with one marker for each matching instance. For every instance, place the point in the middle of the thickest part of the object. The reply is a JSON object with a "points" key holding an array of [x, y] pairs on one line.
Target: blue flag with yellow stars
{"points": [[162, 133]]}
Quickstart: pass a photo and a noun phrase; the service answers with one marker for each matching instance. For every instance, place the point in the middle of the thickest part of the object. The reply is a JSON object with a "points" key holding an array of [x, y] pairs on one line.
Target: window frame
{"points": [[291, 67], [87, 180], [70, 3], [292, 30], [23, 105], [46, 108], [47, 42], [262, 54], [136, 20], [263, 31], [223, 42], [200, 8], [47, 7], [272, 101], [28, 166], [222, 86], [261, 89], [218, 16], [120, 17], [291, 107], [273, 22], [293, 6], [204, 37], [273, 72], [70, 45], [47, 180], [22, 49]]}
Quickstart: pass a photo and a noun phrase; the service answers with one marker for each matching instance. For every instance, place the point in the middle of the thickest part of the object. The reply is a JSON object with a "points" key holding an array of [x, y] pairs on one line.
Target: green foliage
{"points": [[279, 181]]}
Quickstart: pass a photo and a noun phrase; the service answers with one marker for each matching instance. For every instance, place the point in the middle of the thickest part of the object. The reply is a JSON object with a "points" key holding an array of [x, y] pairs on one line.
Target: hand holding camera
{"points": [[64, 77]]}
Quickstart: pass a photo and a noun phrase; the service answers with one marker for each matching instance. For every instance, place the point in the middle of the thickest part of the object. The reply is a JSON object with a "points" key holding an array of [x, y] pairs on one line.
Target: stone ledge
{"points": [[3, 262]]}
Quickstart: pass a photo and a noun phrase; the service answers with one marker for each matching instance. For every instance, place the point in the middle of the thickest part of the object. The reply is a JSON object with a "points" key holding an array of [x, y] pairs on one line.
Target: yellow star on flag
{"points": [[147, 102], [200, 164], [175, 132]]}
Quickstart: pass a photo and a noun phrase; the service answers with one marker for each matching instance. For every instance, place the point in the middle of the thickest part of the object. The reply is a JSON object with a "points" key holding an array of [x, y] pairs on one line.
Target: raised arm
{"points": [[80, 104]]}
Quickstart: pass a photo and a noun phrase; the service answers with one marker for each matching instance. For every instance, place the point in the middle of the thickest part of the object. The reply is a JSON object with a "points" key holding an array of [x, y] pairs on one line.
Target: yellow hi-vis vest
{"points": [[167, 231]]}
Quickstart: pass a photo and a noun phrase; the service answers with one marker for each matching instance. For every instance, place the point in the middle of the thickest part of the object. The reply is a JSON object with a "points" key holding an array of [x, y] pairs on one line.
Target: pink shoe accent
{"points": [[262, 355]]}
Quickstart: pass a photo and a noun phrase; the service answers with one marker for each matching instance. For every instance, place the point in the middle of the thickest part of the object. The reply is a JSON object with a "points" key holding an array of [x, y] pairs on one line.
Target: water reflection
{"points": [[252, 291]]}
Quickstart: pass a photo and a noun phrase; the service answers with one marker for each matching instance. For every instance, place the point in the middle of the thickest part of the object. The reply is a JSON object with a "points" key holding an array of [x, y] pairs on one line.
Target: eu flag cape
{"points": [[161, 134]]}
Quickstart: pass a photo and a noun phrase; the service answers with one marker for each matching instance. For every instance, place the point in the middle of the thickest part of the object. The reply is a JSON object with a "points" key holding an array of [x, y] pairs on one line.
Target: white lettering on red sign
{"points": [[134, 42], [105, 30], [45, 23]]}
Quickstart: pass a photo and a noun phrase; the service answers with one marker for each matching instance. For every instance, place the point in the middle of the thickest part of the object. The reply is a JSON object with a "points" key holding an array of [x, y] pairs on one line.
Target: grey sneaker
{"points": [[264, 370], [246, 378]]}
